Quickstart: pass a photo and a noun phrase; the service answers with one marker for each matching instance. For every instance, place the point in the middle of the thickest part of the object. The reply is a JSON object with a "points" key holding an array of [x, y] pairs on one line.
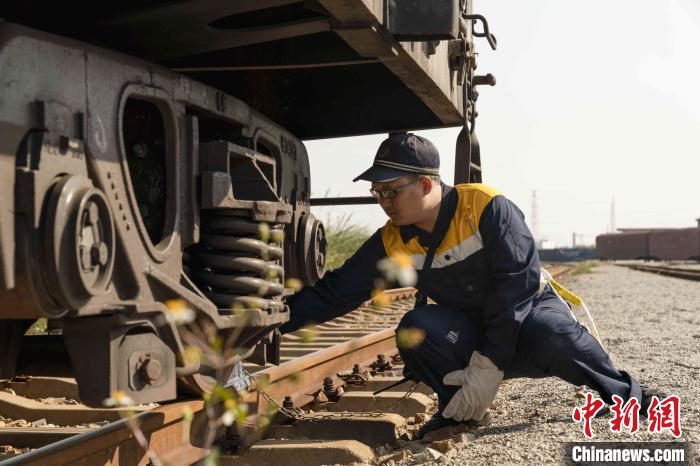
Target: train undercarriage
{"points": [[134, 189]]}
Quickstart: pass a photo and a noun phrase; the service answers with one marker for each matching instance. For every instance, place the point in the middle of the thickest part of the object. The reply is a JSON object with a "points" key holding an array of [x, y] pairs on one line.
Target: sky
{"points": [[595, 100]]}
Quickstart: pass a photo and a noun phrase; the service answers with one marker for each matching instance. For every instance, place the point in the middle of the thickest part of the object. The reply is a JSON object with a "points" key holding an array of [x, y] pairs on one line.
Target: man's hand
{"points": [[479, 381]]}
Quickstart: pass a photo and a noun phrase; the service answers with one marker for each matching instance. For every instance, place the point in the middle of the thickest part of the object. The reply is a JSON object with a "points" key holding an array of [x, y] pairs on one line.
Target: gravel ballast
{"points": [[649, 324]]}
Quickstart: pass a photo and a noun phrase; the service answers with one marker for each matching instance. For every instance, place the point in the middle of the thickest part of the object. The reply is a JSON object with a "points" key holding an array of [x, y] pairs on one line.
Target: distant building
{"points": [[546, 244]]}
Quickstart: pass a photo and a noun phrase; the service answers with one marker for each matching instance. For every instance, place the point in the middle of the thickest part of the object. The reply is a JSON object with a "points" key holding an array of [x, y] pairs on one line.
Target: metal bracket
{"points": [[240, 379]]}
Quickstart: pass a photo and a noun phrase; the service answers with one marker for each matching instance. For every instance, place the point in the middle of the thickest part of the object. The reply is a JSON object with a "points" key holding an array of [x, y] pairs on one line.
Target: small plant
{"points": [[40, 327], [584, 267], [344, 239]]}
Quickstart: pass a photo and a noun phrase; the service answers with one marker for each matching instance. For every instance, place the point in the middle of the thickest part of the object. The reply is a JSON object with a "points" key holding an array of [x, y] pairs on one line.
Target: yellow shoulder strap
{"points": [[566, 294]]}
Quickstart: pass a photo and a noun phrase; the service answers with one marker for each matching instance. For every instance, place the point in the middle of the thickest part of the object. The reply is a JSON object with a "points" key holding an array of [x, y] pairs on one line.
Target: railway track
{"points": [[351, 356], [684, 271], [354, 339]]}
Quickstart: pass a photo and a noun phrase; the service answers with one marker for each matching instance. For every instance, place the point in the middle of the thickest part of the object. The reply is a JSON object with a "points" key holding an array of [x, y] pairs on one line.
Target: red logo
{"points": [[626, 416], [662, 414], [665, 415], [587, 412]]}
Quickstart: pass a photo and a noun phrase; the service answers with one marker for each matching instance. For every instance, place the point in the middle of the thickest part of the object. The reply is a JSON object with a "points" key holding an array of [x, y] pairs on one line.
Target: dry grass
{"points": [[584, 267]]}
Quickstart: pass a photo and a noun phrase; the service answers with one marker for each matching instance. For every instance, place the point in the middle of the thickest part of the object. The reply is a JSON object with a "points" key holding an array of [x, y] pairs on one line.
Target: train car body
{"points": [[651, 244], [622, 246], [676, 244], [151, 152]]}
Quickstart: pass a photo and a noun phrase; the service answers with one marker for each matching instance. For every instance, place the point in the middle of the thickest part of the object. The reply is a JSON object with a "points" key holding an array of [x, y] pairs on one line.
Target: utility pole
{"points": [[612, 215]]}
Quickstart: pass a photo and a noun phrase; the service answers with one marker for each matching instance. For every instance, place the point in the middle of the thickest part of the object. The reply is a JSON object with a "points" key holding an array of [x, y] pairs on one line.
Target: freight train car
{"points": [[676, 244], [652, 244], [152, 151], [633, 245]]}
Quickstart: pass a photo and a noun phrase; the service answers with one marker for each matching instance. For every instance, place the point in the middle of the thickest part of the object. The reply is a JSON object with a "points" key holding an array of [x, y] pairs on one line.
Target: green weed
{"points": [[344, 238], [38, 328]]}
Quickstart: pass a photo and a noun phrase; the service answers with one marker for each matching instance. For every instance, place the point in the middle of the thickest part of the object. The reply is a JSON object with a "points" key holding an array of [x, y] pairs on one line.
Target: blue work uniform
{"points": [[485, 279]]}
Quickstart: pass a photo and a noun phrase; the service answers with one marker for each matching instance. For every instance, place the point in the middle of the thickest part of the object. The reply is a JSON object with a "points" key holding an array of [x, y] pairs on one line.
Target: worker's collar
{"points": [[448, 204]]}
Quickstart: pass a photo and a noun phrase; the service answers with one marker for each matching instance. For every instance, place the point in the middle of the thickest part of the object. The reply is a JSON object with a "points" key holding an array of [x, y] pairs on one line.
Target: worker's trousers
{"points": [[551, 343]]}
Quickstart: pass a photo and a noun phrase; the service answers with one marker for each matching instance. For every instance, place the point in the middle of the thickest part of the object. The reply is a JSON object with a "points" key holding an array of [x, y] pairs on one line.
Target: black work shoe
{"points": [[435, 423], [647, 393], [439, 422]]}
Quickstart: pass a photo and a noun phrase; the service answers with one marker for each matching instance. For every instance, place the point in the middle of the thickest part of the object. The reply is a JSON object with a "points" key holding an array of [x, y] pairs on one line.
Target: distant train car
{"points": [[633, 245], [654, 244], [680, 244]]}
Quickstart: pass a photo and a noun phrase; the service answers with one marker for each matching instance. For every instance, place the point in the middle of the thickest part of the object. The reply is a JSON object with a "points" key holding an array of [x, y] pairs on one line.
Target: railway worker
{"points": [[492, 320]]}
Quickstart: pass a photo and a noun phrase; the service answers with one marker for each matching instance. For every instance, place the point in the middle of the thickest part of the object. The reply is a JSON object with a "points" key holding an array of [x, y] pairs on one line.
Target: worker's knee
{"points": [[436, 320], [418, 317], [438, 329], [556, 339]]}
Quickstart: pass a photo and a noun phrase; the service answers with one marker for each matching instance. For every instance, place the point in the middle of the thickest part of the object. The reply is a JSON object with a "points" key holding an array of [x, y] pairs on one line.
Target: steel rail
{"points": [[115, 444], [676, 272], [36, 437], [301, 378]]}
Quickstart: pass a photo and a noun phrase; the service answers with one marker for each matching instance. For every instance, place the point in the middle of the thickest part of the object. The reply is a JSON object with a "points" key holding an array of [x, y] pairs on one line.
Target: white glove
{"points": [[479, 383]]}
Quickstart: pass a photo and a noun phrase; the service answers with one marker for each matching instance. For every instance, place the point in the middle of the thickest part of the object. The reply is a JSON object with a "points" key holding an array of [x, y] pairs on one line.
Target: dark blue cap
{"points": [[401, 155]]}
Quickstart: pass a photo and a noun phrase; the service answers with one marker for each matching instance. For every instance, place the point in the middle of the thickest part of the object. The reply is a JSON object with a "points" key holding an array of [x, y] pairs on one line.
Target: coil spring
{"points": [[237, 263]]}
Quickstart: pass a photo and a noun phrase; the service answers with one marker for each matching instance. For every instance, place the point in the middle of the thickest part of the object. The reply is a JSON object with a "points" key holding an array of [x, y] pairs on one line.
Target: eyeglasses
{"points": [[390, 193]]}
